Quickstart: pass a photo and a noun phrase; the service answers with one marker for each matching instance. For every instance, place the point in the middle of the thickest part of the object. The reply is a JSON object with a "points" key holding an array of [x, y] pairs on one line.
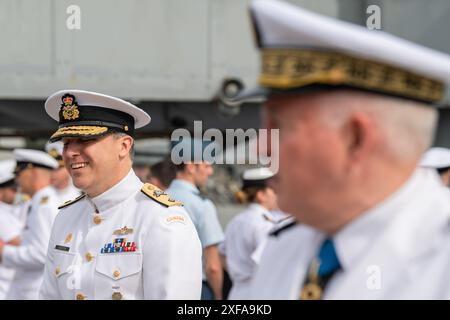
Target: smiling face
{"points": [[97, 164]]}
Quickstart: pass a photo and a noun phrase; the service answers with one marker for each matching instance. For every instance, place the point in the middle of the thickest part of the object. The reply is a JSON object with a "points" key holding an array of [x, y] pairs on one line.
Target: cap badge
{"points": [[44, 200], [53, 152], [158, 193], [69, 107]]}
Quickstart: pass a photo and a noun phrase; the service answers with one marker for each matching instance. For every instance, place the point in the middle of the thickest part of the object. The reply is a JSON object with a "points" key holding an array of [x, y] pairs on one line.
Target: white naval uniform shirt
{"points": [[67, 194], [243, 235], [166, 263], [21, 209], [399, 249], [10, 228], [28, 259]]}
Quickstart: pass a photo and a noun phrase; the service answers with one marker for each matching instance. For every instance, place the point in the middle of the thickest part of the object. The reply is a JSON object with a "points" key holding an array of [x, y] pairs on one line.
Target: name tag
{"points": [[62, 248]]}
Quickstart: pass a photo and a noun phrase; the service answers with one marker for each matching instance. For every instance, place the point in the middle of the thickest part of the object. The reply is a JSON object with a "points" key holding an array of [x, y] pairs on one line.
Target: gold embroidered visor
{"points": [[78, 131], [296, 68]]}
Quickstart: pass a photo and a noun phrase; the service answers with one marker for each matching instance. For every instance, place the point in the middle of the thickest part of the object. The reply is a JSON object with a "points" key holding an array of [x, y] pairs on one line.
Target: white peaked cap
{"points": [[437, 158], [7, 170], [301, 48], [37, 158]]}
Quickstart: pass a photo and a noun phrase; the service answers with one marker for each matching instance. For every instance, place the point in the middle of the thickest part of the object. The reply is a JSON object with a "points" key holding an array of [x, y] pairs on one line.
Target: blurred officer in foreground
{"points": [[122, 239], [356, 110], [438, 159], [249, 229], [10, 227], [61, 180], [33, 174], [192, 176]]}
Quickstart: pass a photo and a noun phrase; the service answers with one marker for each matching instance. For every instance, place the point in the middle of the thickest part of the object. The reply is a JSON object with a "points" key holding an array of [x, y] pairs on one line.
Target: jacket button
{"points": [[81, 296], [89, 257], [57, 270], [117, 296], [97, 219], [116, 273]]}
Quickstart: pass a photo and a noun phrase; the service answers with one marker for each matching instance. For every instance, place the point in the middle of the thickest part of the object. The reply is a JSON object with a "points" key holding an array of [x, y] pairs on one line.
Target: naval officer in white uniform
{"points": [[248, 230], [33, 172], [10, 227], [356, 109], [121, 239]]}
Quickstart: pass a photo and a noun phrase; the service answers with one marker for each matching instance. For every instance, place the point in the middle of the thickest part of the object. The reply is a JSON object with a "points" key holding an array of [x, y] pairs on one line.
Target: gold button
{"points": [[89, 257], [97, 219], [116, 273], [117, 296], [57, 270], [81, 296]]}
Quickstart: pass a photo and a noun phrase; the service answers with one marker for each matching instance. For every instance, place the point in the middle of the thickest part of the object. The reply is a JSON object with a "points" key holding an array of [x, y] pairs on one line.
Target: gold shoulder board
{"points": [[159, 196], [68, 203]]}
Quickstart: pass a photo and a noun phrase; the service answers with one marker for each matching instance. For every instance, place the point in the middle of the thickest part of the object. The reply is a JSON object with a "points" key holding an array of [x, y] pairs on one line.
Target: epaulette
{"points": [[283, 228], [44, 200], [153, 192], [268, 218], [68, 203]]}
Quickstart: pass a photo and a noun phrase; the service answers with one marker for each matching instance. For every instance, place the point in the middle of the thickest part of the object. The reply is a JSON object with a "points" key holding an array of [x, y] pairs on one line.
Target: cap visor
{"points": [[257, 95], [78, 131], [261, 94]]}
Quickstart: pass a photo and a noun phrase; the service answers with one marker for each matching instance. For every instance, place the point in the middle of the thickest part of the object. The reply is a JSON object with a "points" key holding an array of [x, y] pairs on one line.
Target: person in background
{"points": [[163, 173], [249, 229], [33, 174], [61, 180], [10, 227], [439, 159], [191, 176]]}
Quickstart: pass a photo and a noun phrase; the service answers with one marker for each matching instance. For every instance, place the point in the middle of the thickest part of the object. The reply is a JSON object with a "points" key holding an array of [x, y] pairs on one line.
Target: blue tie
{"points": [[329, 262], [320, 272]]}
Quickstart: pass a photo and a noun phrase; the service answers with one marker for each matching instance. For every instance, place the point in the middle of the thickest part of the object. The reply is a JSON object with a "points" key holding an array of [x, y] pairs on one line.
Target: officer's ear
{"points": [[361, 137], [126, 145]]}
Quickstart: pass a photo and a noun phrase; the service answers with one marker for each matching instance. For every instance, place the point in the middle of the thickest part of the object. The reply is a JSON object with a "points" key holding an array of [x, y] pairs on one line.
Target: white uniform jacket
{"points": [[399, 249], [140, 245], [28, 259]]}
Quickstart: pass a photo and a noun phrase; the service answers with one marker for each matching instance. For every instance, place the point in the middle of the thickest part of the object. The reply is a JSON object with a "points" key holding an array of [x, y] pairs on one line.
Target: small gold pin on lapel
{"points": [[68, 238], [123, 231]]}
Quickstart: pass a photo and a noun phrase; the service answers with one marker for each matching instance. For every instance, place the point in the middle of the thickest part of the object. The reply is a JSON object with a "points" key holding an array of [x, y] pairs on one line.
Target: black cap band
{"points": [[8, 184], [98, 116], [260, 183], [22, 165]]}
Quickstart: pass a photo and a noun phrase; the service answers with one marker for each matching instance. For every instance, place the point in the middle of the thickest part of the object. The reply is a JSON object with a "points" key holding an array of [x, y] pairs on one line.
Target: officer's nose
{"points": [[71, 148]]}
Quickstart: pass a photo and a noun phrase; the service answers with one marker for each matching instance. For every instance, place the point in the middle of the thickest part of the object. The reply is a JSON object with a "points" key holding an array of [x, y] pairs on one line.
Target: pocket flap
{"points": [[119, 265], [63, 262]]}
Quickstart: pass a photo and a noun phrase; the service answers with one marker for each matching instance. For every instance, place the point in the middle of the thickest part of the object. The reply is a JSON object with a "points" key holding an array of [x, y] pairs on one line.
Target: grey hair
{"points": [[408, 126]]}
